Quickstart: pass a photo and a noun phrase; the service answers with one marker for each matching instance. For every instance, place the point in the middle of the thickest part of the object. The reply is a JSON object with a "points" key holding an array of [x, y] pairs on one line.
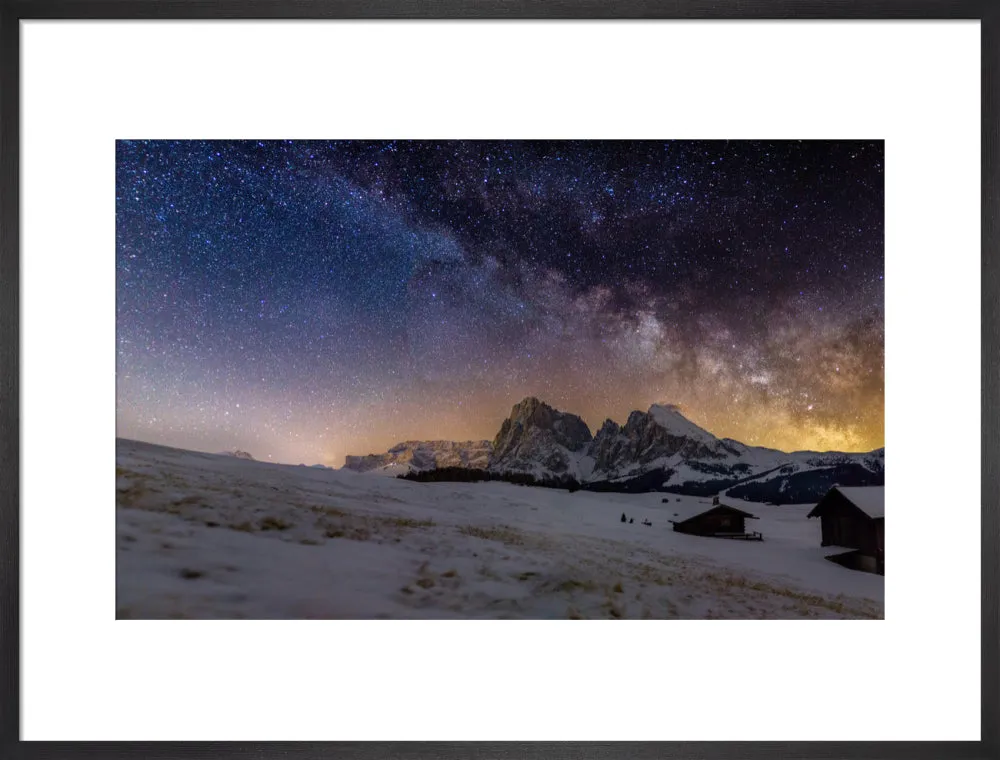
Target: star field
{"points": [[306, 300]]}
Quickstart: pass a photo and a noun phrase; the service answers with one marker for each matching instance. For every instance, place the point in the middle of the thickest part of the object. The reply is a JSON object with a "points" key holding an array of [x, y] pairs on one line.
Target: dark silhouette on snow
{"points": [[473, 475]]}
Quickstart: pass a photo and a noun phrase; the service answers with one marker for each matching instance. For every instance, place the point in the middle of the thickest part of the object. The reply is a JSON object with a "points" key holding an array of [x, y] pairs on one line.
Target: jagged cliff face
{"points": [[660, 436], [538, 439], [659, 448], [608, 447], [425, 455]]}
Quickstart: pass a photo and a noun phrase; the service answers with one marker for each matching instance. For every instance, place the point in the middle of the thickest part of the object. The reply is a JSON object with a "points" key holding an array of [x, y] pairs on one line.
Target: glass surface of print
{"points": [[500, 379]]}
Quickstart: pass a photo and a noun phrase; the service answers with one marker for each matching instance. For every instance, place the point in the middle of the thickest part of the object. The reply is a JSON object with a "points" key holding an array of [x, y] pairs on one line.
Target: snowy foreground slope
{"points": [[209, 536]]}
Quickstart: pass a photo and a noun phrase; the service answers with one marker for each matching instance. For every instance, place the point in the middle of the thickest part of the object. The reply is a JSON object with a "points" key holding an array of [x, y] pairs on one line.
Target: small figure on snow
{"points": [[623, 517], [631, 519]]}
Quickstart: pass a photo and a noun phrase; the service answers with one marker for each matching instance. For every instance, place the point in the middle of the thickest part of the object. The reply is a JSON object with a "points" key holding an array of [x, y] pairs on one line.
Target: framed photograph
{"points": [[479, 377]]}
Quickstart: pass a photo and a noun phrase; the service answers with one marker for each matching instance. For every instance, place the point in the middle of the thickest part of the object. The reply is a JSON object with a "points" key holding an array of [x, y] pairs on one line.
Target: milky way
{"points": [[306, 300]]}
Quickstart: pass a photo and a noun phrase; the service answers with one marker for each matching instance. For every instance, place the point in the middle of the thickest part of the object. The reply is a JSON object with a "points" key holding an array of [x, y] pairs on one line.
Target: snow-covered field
{"points": [[211, 536]]}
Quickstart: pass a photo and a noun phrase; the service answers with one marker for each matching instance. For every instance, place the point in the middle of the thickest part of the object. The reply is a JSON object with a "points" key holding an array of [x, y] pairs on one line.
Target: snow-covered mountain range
{"points": [[238, 454], [659, 449], [423, 455]]}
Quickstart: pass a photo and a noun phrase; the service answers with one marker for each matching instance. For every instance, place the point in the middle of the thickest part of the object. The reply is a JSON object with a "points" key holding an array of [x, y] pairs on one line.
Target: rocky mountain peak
{"points": [[670, 418], [537, 436], [659, 449], [609, 428], [532, 414]]}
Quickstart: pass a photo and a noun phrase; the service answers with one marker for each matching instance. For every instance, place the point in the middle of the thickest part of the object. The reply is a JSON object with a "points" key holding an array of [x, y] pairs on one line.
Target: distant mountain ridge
{"points": [[656, 450], [423, 455], [238, 454]]}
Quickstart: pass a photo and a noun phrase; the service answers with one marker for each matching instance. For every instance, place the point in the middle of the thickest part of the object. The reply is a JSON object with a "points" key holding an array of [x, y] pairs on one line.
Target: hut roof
{"points": [[869, 499], [682, 512]]}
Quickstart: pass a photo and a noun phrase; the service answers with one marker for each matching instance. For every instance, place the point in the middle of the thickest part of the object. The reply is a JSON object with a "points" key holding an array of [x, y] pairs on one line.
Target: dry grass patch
{"points": [[275, 523], [128, 496], [572, 584], [406, 522], [653, 574], [615, 608], [357, 527], [502, 533], [351, 534], [328, 511], [800, 602]]}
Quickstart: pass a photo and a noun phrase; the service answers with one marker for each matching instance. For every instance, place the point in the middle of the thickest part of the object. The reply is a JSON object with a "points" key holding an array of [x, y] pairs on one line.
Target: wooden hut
{"points": [[715, 520], [854, 518]]}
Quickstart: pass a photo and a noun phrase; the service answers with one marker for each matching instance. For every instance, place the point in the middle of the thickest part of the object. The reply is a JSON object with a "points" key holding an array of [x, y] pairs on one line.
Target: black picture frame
{"points": [[13, 12]]}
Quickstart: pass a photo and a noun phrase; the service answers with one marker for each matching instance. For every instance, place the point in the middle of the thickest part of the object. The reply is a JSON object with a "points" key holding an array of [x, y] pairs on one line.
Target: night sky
{"points": [[307, 300]]}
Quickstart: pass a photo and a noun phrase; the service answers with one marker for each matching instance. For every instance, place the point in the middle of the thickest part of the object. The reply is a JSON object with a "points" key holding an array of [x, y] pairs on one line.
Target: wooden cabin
{"points": [[715, 520], [854, 518]]}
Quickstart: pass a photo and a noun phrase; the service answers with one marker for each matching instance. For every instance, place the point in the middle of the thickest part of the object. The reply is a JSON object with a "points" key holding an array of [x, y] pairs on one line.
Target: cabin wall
{"points": [[845, 530], [845, 525], [865, 538], [707, 525]]}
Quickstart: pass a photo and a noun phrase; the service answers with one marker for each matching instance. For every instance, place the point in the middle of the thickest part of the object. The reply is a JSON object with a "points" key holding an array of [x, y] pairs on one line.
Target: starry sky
{"points": [[304, 300]]}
